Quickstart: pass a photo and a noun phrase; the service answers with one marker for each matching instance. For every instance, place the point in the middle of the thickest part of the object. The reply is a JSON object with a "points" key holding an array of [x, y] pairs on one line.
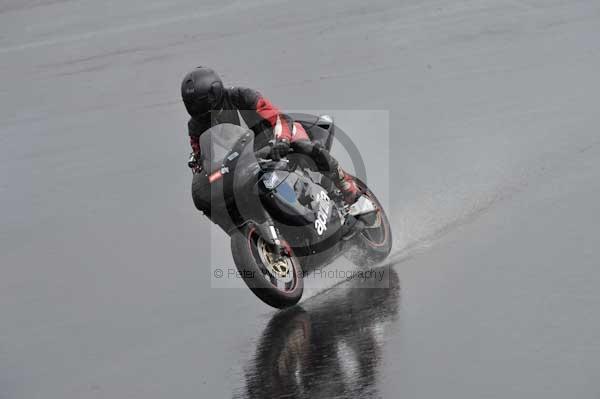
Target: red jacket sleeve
{"points": [[281, 124], [251, 100]]}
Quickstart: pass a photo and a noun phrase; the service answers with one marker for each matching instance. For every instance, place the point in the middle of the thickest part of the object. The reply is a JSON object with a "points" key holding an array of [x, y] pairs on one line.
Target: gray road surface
{"points": [[491, 174]]}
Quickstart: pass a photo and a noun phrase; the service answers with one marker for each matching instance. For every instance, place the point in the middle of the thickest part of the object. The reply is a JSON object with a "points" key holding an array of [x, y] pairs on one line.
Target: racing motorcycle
{"points": [[284, 216]]}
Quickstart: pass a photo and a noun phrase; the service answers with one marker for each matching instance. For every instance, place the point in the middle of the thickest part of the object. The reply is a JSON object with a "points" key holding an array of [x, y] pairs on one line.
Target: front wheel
{"points": [[277, 282]]}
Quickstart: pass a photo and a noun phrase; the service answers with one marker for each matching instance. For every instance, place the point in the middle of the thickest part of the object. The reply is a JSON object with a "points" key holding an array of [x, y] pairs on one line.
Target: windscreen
{"points": [[218, 142]]}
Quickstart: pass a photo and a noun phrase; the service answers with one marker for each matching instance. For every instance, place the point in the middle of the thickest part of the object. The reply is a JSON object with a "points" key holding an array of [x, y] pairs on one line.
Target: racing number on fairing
{"points": [[323, 212]]}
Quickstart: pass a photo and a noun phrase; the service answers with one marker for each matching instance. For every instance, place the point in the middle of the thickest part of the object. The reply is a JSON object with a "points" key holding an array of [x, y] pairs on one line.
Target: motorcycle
{"points": [[284, 216]]}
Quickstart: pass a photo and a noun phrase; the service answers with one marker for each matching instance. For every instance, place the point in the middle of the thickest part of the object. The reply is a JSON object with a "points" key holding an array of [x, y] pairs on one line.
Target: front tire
{"points": [[277, 283]]}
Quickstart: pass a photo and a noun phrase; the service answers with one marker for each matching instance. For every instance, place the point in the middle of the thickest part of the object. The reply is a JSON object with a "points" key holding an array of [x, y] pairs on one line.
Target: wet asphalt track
{"points": [[493, 188]]}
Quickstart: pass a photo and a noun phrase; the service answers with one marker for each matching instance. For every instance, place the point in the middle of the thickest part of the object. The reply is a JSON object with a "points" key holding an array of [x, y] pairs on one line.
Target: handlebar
{"points": [[264, 152], [267, 153]]}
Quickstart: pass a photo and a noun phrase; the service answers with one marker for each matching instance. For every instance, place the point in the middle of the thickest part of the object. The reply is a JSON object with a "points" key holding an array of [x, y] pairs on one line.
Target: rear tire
{"points": [[269, 281], [372, 245]]}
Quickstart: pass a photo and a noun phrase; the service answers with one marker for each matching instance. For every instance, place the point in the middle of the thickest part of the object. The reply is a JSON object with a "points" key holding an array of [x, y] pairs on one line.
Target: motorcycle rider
{"points": [[209, 103]]}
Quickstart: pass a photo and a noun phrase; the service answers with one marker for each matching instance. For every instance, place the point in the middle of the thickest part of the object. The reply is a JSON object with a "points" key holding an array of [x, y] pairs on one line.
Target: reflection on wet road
{"points": [[330, 346]]}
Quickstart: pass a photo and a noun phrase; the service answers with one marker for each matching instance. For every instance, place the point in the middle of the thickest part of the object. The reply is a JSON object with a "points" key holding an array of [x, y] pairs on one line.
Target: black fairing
{"points": [[294, 205], [297, 202]]}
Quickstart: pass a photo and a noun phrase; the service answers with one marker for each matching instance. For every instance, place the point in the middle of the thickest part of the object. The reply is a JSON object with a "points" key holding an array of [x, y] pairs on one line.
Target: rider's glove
{"points": [[194, 163], [280, 149]]}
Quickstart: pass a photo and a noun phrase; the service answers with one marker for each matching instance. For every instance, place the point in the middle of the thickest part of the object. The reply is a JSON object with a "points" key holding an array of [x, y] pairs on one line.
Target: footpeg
{"points": [[362, 206]]}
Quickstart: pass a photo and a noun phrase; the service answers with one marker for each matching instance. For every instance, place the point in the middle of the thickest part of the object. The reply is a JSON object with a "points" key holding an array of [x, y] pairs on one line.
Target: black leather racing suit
{"points": [[268, 123]]}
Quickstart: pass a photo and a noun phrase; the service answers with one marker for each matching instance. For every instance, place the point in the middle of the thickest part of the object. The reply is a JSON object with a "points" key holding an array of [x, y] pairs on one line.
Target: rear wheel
{"points": [[276, 280], [373, 243]]}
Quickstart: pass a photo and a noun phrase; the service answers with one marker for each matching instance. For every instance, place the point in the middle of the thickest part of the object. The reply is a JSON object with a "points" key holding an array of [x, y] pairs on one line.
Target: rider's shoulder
{"points": [[242, 93]]}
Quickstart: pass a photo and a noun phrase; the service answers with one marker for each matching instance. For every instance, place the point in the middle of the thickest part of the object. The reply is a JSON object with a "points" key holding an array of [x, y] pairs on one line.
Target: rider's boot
{"points": [[347, 185]]}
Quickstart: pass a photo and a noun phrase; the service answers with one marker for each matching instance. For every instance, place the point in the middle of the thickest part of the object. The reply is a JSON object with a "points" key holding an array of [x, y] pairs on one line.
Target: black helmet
{"points": [[202, 91]]}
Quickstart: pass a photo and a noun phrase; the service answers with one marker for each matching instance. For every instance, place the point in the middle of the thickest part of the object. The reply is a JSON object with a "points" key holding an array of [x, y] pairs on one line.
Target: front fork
{"points": [[270, 234]]}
